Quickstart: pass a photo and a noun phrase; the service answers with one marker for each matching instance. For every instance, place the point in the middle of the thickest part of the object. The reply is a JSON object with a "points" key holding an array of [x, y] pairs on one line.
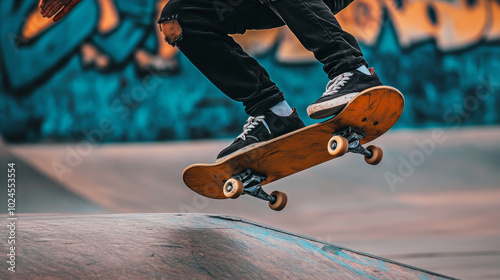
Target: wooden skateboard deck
{"points": [[373, 111]]}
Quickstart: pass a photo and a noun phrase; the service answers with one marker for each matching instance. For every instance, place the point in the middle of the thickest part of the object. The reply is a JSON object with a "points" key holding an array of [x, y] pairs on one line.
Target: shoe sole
{"points": [[330, 107]]}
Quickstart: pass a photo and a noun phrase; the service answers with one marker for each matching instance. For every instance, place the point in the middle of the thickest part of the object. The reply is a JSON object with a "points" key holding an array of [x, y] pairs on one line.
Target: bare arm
{"points": [[60, 8]]}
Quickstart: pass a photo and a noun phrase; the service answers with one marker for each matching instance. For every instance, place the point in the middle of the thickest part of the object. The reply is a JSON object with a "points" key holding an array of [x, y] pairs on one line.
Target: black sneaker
{"points": [[340, 91], [263, 128]]}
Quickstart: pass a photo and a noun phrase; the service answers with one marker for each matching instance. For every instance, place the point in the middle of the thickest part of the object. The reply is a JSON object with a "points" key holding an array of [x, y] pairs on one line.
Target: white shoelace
{"points": [[334, 85], [252, 122]]}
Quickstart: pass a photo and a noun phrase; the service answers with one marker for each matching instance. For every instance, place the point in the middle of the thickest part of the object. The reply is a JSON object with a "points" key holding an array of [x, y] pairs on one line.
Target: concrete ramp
{"points": [[185, 246]]}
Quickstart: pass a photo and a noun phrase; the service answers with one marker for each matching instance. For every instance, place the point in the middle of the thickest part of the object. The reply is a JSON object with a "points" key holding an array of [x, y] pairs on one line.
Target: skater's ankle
{"points": [[282, 109], [363, 69]]}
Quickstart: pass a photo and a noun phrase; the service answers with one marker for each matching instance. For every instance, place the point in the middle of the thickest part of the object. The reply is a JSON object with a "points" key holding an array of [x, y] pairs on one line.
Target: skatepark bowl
{"points": [[430, 209], [187, 246]]}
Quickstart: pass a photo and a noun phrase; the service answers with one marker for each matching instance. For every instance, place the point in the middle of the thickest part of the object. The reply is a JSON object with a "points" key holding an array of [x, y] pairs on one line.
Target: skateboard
{"points": [[366, 117]]}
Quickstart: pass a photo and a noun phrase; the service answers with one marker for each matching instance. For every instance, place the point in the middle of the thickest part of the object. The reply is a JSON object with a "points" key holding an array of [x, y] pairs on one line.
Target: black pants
{"points": [[205, 42]]}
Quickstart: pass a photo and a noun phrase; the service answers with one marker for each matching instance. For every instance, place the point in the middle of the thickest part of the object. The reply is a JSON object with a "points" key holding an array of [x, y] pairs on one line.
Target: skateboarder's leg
{"points": [[200, 30], [314, 24], [318, 30]]}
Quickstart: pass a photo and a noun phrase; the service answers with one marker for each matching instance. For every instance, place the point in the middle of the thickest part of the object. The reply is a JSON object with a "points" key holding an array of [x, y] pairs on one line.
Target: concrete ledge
{"points": [[176, 246]]}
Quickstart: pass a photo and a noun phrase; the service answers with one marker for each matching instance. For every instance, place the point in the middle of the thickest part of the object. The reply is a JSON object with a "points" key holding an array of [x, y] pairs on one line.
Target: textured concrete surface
{"points": [[440, 213], [186, 246]]}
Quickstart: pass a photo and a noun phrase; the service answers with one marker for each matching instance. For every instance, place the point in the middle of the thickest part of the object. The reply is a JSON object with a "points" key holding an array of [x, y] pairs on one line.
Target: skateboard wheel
{"points": [[233, 188], [377, 155], [281, 200], [338, 146]]}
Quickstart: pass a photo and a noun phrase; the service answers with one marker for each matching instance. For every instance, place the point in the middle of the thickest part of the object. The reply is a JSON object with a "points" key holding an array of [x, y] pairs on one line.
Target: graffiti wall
{"points": [[104, 72]]}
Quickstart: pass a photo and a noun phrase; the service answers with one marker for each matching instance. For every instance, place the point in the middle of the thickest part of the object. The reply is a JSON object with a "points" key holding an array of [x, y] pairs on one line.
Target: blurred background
{"points": [[101, 116]]}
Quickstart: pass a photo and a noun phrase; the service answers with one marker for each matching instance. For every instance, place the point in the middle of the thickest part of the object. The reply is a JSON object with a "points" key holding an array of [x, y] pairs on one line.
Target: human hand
{"points": [[60, 8]]}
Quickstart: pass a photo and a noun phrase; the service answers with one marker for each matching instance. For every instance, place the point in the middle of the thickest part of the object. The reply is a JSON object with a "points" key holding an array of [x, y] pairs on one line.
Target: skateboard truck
{"points": [[353, 136], [348, 140], [249, 182]]}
